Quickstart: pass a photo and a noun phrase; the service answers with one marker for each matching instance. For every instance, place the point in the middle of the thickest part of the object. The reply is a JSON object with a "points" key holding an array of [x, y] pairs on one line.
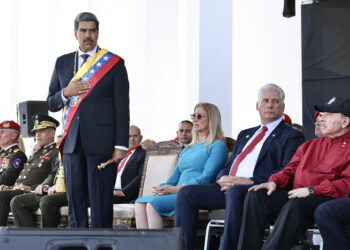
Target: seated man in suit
{"points": [[12, 158], [318, 172], [184, 132], [40, 168], [332, 217], [257, 153], [130, 169]]}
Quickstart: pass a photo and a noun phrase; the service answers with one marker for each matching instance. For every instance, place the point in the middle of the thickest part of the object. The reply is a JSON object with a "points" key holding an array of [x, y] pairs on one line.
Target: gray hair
{"points": [[271, 86], [85, 16]]}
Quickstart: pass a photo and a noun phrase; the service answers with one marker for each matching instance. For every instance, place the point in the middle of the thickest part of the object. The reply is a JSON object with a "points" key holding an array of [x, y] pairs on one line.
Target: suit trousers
{"points": [[194, 197], [85, 183], [5, 199], [294, 216], [24, 206], [331, 218]]}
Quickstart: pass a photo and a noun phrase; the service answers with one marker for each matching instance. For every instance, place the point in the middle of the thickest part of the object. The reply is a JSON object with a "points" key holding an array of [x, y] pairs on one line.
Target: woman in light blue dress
{"points": [[198, 163]]}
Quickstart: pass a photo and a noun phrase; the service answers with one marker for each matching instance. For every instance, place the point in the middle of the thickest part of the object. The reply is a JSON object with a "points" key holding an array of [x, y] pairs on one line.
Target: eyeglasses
{"points": [[198, 116]]}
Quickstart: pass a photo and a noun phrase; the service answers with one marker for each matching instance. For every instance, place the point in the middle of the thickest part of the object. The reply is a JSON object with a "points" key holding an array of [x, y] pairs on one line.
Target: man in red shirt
{"points": [[318, 172]]}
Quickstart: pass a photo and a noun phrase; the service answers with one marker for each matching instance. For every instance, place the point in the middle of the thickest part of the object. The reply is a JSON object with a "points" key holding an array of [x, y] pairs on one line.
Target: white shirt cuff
{"points": [[121, 147], [64, 100]]}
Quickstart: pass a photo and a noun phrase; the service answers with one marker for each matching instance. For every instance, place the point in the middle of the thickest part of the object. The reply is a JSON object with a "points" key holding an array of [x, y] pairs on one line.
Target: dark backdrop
{"points": [[325, 55]]}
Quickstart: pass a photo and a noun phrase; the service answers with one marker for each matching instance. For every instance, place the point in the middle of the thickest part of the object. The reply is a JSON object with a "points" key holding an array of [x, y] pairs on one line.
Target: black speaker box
{"points": [[91, 239], [25, 111]]}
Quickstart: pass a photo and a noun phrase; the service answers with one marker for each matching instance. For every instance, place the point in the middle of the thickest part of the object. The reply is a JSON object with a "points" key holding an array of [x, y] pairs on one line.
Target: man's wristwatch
{"points": [[311, 191]]}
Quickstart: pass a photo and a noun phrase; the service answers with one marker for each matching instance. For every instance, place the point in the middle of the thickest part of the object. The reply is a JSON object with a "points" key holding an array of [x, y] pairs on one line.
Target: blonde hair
{"points": [[215, 130], [21, 144]]}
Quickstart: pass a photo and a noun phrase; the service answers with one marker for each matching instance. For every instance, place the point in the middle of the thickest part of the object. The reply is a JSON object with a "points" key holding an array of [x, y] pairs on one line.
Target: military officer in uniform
{"points": [[12, 158], [24, 206], [40, 168]]}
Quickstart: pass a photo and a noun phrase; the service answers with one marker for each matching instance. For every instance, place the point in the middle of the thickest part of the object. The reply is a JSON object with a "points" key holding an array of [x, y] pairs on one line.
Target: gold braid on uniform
{"points": [[60, 182], [46, 124]]}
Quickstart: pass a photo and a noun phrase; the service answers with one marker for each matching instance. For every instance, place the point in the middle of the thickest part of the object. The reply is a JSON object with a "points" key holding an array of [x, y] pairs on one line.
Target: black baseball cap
{"points": [[335, 105]]}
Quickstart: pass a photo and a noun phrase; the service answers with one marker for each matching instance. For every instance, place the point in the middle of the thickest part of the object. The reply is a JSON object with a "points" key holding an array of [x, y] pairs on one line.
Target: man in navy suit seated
{"points": [[257, 153], [333, 218], [318, 172]]}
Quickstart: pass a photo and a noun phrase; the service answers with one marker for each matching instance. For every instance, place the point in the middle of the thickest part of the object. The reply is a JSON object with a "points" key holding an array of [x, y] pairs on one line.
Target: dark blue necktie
{"points": [[85, 57]]}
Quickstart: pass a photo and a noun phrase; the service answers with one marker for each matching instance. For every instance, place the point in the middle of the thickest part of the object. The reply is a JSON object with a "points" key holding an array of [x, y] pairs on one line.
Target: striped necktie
{"points": [[85, 57]]}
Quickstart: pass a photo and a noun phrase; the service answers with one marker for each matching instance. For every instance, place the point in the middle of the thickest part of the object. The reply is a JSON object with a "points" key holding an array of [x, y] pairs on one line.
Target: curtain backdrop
{"points": [[325, 56]]}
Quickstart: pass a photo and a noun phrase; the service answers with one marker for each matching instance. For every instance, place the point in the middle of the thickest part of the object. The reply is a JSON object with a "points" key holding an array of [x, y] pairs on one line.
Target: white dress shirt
{"points": [[118, 181], [247, 165]]}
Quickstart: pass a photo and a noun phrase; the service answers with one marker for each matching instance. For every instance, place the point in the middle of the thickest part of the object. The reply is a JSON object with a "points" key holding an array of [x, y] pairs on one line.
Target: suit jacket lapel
{"points": [[247, 137], [69, 68], [275, 133], [131, 159]]}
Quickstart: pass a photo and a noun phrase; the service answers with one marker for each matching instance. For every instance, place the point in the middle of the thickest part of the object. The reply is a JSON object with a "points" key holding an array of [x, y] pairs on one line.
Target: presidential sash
{"points": [[92, 71]]}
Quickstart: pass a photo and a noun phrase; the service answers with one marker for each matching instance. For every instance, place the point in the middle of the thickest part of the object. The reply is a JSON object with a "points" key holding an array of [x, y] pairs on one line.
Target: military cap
{"points": [[10, 124], [335, 105], [42, 121]]}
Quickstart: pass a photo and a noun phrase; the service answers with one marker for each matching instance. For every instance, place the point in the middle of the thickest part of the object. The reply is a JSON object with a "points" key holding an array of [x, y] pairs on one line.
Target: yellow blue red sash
{"points": [[92, 71]]}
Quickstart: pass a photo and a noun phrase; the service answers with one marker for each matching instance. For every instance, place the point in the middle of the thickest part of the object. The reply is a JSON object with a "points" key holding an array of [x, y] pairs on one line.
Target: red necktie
{"points": [[121, 165], [247, 150]]}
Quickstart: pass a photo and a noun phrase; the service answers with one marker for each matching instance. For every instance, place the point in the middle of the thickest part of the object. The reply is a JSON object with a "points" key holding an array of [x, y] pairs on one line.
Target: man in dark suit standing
{"points": [[92, 88], [130, 169], [257, 153]]}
